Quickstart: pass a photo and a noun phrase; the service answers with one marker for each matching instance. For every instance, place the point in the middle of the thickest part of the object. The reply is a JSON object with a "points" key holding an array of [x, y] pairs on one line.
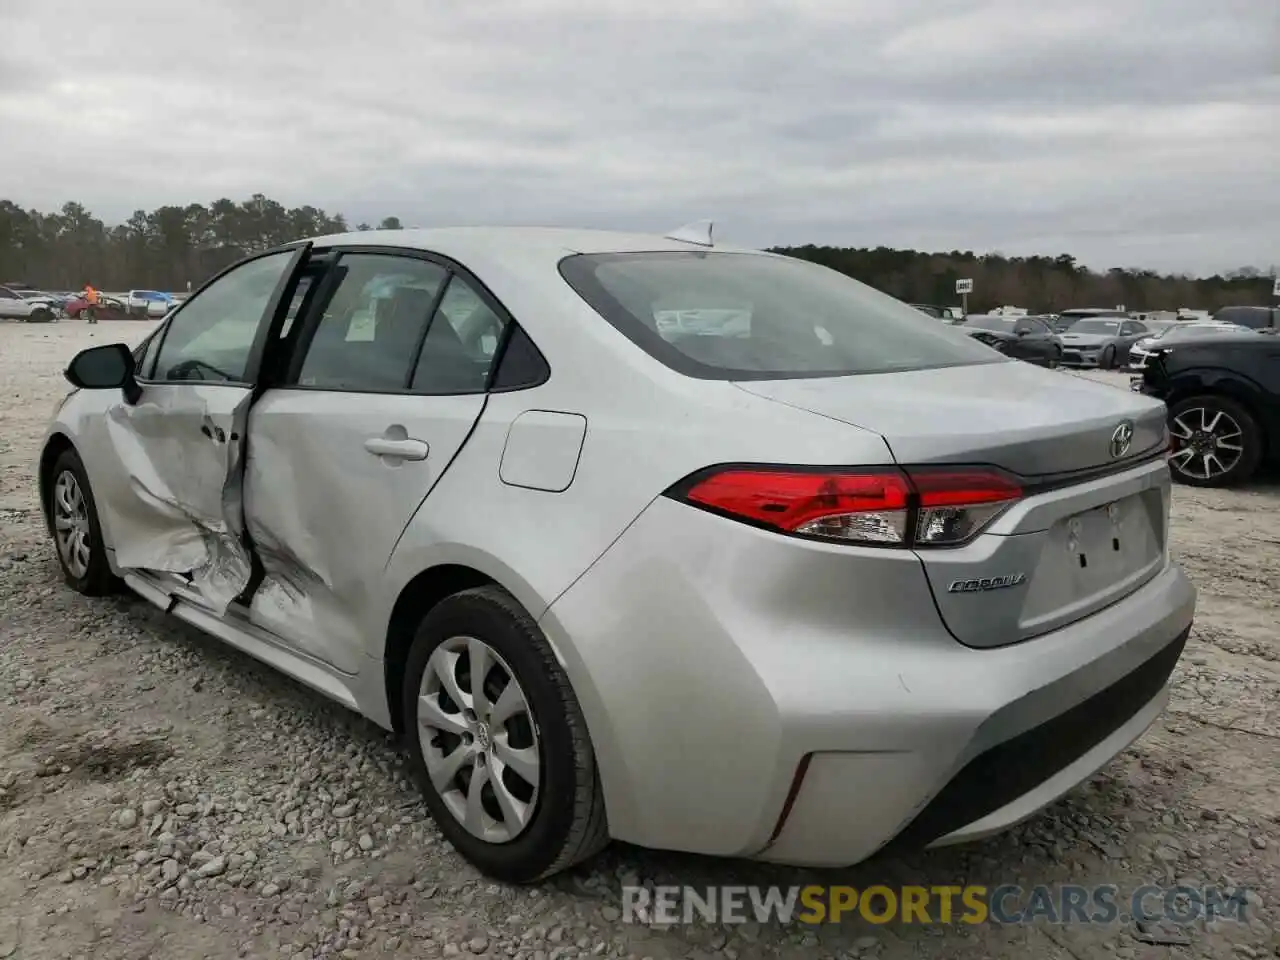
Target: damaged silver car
{"points": [[695, 547]]}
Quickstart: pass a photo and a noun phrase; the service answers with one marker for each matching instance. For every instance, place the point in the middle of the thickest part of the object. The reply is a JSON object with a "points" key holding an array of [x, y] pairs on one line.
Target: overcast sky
{"points": [[1126, 132]]}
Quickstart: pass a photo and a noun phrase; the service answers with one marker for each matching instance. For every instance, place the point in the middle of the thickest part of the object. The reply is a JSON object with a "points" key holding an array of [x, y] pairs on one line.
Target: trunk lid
{"points": [[1028, 420], [1091, 527]]}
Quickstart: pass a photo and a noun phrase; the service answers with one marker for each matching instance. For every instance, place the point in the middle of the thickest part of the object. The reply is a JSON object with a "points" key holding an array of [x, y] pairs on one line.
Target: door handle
{"points": [[407, 449]]}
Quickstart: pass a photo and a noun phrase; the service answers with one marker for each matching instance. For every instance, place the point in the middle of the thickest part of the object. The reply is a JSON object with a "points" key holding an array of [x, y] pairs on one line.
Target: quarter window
{"points": [[209, 339]]}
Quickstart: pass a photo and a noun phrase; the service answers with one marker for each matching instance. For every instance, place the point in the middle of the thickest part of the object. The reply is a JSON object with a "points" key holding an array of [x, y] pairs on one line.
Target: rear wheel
{"points": [[498, 741], [77, 532], [1216, 442]]}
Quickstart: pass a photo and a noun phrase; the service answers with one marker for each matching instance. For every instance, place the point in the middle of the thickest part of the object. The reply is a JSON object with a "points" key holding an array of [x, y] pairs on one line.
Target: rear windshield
{"points": [[1254, 317], [1095, 326], [987, 321], [743, 316]]}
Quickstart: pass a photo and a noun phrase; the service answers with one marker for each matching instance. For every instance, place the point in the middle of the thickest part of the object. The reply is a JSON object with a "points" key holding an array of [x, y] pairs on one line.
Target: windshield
{"points": [[738, 316], [1102, 327]]}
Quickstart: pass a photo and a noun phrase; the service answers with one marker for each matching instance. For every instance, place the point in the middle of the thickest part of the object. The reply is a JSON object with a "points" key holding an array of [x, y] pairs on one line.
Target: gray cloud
{"points": [[1134, 132]]}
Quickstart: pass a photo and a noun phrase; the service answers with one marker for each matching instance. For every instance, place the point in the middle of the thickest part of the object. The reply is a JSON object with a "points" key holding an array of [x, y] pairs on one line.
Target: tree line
{"points": [[172, 246]]}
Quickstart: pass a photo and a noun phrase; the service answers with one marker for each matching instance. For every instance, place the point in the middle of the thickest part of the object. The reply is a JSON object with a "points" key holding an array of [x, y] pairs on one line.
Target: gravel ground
{"points": [[164, 796]]}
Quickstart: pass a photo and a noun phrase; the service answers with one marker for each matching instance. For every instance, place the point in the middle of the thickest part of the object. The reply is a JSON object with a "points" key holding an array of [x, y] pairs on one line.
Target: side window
{"points": [[1133, 329], [210, 338], [8, 295], [1023, 326], [142, 355], [461, 343], [295, 305], [368, 332]]}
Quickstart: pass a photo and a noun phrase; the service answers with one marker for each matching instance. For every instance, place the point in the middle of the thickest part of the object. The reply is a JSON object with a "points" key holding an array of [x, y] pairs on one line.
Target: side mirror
{"points": [[107, 367], [1021, 333]]}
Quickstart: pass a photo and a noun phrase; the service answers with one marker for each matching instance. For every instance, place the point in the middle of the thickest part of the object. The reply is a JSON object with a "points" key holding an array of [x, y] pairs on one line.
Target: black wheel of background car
{"points": [[1108, 358], [497, 740], [77, 533], [1055, 360], [40, 315], [1216, 442]]}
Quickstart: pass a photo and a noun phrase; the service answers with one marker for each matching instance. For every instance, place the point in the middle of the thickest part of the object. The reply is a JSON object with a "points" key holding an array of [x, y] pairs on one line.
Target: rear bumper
{"points": [[715, 662]]}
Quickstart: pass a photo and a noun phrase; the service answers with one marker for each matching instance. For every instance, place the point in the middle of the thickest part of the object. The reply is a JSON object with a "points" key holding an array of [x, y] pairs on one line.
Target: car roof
{"points": [[547, 243]]}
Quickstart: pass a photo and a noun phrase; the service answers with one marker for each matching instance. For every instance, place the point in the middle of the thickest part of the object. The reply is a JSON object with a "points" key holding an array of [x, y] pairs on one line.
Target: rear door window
{"points": [[371, 329]]}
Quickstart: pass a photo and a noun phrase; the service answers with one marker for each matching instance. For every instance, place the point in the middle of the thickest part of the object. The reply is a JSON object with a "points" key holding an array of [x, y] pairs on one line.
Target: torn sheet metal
{"points": [[181, 453]]}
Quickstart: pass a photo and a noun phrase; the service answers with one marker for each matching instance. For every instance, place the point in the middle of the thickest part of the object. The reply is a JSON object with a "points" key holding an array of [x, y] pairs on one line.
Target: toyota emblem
{"points": [[1121, 439]]}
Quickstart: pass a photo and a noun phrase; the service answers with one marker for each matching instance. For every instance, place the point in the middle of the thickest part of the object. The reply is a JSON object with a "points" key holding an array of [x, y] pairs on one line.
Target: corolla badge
{"points": [[987, 583], [1121, 439]]}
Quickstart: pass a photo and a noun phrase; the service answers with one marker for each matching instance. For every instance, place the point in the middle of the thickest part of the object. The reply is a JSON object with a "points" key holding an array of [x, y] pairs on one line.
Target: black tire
{"points": [[1055, 361], [97, 580], [1250, 439], [568, 824], [1108, 359]]}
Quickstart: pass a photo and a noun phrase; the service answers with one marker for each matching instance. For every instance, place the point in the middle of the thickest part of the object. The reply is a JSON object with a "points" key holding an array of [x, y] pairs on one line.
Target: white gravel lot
{"points": [[164, 796]]}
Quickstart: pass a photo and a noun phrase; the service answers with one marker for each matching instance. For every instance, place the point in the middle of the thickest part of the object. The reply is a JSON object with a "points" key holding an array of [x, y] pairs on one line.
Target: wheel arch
{"points": [[55, 445], [423, 591]]}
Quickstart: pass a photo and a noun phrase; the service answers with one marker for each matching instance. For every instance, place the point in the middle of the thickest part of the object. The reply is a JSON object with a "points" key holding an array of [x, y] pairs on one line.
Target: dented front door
{"points": [[178, 450], [172, 463]]}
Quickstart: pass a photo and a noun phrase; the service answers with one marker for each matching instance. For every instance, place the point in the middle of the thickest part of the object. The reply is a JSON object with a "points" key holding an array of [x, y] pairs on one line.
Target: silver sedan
{"points": [[640, 537]]}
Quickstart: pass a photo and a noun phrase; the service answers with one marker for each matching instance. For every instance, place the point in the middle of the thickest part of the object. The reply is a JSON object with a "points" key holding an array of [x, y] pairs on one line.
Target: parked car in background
{"points": [[150, 303], [1255, 318], [34, 296], [1141, 351], [1063, 321], [109, 308], [14, 306], [1101, 342], [1223, 395], [911, 505], [1022, 338]]}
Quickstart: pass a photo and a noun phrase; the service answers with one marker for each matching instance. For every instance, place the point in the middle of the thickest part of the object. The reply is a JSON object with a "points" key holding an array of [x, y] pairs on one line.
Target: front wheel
{"points": [[1216, 442], [77, 532], [1108, 359], [498, 741]]}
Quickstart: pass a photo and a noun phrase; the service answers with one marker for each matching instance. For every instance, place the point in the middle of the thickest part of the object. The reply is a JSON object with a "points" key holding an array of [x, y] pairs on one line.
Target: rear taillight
{"points": [[890, 507]]}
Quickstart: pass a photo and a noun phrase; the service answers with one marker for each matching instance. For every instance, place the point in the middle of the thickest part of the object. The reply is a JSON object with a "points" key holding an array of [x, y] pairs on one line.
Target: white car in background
{"points": [[154, 303], [14, 306]]}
